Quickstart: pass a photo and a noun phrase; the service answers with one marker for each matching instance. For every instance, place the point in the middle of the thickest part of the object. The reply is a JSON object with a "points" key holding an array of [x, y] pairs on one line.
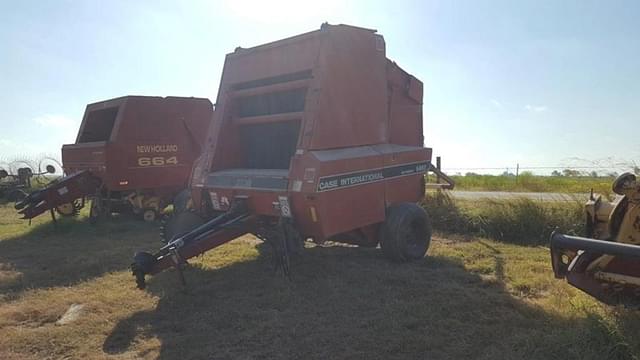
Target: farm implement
{"points": [[606, 263], [132, 154], [315, 137], [14, 185]]}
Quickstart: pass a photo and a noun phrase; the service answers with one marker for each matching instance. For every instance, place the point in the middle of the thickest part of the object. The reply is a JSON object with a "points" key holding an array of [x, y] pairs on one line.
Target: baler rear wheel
{"points": [[66, 209], [69, 209], [149, 215], [405, 235]]}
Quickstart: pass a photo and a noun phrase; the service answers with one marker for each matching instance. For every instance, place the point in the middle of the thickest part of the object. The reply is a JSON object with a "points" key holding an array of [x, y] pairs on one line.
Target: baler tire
{"points": [[405, 234], [149, 215], [69, 209]]}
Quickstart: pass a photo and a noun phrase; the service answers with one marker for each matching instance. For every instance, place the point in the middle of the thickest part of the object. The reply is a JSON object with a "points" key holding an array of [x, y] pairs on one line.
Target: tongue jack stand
{"points": [[284, 256], [53, 216], [283, 239], [178, 262]]}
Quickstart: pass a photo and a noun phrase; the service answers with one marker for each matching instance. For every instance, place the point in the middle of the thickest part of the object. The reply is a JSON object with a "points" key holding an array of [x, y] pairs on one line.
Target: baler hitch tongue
{"points": [[607, 270], [62, 191], [218, 231]]}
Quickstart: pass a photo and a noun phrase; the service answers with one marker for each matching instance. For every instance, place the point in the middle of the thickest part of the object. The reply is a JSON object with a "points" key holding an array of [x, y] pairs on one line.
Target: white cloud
{"points": [[496, 103], [56, 121], [536, 108]]}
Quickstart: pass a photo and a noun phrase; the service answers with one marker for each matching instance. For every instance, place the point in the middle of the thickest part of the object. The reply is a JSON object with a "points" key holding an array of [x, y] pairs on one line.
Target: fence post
{"points": [[438, 166]]}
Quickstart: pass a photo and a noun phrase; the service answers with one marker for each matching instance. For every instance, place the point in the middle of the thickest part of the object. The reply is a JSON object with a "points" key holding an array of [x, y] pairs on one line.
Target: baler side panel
{"points": [[325, 206], [154, 149], [244, 70], [196, 118], [345, 209], [352, 104], [87, 156], [287, 57], [408, 188], [405, 121]]}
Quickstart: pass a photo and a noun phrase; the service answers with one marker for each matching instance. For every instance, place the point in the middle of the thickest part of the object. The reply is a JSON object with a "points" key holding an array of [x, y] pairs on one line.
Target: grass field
{"points": [[520, 221], [531, 183], [470, 298]]}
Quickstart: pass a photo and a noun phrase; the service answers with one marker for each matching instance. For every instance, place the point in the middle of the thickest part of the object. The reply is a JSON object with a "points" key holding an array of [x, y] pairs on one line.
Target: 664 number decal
{"points": [[157, 161]]}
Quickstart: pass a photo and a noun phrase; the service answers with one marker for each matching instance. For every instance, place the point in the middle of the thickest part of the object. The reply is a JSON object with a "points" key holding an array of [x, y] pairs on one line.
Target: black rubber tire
{"points": [[620, 181], [179, 223], [76, 206], [405, 234]]}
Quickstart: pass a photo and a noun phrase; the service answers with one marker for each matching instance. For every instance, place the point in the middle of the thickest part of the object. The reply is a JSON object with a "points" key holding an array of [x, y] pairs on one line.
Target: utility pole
{"points": [[517, 172]]}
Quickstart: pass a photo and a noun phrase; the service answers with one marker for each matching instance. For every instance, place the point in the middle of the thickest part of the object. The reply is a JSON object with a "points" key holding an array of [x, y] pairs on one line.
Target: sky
{"points": [[535, 83]]}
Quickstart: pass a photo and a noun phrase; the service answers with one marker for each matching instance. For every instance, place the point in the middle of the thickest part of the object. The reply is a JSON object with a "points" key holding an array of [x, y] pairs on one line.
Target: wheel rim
{"points": [[66, 209], [149, 215]]}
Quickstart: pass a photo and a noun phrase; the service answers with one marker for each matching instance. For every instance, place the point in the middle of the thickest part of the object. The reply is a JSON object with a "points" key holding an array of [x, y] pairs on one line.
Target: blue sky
{"points": [[539, 83]]}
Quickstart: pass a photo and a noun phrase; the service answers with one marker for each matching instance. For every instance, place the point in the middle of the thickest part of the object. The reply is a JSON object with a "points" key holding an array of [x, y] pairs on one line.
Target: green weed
{"points": [[528, 182], [519, 221]]}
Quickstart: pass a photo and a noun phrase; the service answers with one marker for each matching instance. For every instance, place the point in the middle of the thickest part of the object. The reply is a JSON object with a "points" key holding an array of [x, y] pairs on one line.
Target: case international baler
{"points": [[317, 136], [133, 153]]}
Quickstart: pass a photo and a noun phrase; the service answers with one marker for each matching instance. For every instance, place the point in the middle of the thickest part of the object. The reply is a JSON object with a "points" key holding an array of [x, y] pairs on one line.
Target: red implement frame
{"points": [[317, 136]]}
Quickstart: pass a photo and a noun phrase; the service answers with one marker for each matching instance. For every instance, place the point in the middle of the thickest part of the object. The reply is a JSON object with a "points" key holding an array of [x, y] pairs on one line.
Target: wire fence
{"points": [[595, 168], [572, 167]]}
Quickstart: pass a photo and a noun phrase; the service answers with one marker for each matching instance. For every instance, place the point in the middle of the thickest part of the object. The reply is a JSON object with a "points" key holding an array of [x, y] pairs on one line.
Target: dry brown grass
{"points": [[471, 298]]}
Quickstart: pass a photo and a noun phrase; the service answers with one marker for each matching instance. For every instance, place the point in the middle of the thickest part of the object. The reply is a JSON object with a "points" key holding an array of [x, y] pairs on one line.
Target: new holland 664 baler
{"points": [[318, 136], [132, 153]]}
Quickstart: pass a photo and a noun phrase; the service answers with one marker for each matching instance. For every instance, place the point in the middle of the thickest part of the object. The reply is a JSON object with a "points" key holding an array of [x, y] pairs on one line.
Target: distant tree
{"points": [[570, 172], [507, 173], [636, 170], [612, 174], [526, 174], [471, 174], [593, 174], [556, 173]]}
